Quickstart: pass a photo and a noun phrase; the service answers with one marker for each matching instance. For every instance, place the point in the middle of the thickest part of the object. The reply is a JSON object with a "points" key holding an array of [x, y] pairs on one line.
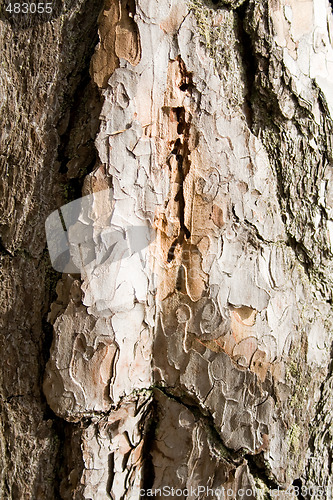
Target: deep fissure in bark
{"points": [[190, 402], [299, 484], [259, 470], [110, 473], [181, 152], [249, 61], [70, 146], [150, 423]]}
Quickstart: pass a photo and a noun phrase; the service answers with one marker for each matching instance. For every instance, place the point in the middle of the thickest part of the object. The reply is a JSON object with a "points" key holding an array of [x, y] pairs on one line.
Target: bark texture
{"points": [[203, 360]]}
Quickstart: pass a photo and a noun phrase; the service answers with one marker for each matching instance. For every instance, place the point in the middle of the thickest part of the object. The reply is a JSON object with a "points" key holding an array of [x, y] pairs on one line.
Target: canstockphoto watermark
{"points": [[108, 242], [223, 493], [89, 230], [86, 232], [197, 491]]}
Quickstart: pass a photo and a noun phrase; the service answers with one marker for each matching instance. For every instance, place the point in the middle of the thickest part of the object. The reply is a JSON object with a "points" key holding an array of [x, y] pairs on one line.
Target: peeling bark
{"points": [[204, 358]]}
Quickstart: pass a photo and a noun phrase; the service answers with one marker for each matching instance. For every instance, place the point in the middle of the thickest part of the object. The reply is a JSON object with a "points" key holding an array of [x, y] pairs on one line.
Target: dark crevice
{"points": [[300, 253], [298, 489], [223, 4], [70, 148], [214, 437], [254, 235], [51, 278], [259, 470], [62, 220], [249, 61], [187, 77], [256, 463], [149, 431], [73, 108], [80, 115], [69, 458], [78, 106], [4, 251], [181, 277], [110, 473], [181, 153], [171, 252], [19, 252]]}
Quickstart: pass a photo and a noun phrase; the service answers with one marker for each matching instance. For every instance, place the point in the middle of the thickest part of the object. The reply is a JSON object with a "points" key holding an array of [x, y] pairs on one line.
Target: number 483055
{"points": [[29, 8]]}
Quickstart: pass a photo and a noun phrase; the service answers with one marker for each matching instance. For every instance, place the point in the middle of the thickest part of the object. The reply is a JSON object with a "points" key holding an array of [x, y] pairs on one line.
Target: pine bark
{"points": [[202, 362]]}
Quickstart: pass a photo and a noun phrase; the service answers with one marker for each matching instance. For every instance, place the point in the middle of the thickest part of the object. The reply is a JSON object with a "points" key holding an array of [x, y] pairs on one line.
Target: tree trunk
{"points": [[198, 364]]}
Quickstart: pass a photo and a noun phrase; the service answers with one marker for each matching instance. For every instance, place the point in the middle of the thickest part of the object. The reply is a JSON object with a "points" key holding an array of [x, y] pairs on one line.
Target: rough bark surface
{"points": [[44, 81], [205, 359]]}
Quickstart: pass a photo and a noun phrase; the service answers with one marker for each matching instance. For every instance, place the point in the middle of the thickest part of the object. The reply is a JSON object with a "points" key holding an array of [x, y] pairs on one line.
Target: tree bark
{"points": [[198, 365]]}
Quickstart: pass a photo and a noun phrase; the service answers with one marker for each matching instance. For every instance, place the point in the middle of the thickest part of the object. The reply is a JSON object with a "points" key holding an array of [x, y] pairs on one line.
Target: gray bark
{"points": [[203, 359]]}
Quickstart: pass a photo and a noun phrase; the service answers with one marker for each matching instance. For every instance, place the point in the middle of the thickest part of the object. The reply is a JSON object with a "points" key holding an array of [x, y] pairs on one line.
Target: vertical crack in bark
{"points": [[249, 61], [77, 157], [110, 473], [181, 152], [260, 471], [150, 423]]}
